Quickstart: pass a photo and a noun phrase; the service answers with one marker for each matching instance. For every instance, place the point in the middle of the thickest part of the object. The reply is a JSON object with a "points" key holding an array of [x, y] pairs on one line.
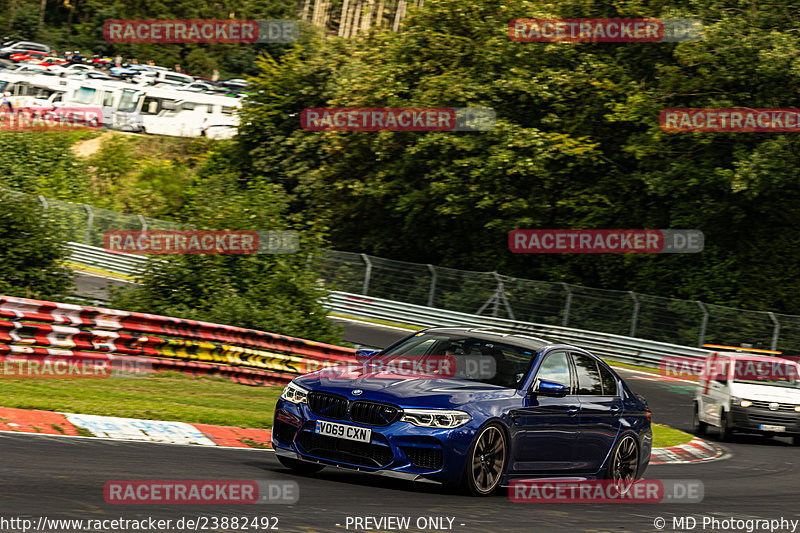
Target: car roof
{"points": [[487, 333]]}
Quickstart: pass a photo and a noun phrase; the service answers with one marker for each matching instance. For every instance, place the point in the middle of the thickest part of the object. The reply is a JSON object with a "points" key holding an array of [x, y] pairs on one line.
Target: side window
{"points": [[589, 381], [108, 99], [609, 382], [555, 367]]}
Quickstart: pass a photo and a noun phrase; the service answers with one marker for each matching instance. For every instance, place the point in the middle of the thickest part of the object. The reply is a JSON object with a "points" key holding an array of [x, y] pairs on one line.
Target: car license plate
{"points": [[767, 427], [343, 431]]}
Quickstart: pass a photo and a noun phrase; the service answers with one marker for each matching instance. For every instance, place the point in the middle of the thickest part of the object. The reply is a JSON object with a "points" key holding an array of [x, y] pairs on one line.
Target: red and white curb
{"points": [[692, 452], [132, 429]]}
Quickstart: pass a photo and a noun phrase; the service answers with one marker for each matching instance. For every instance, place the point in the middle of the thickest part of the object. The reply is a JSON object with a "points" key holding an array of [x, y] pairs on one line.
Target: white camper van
{"points": [[166, 111], [753, 393]]}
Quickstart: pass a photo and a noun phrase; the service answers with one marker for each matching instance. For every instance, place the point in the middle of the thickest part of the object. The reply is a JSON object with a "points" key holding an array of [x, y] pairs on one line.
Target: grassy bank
{"points": [[165, 396]]}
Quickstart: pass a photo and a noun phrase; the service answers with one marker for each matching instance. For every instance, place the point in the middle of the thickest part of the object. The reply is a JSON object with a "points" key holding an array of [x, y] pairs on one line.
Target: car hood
{"points": [[765, 392], [406, 392]]}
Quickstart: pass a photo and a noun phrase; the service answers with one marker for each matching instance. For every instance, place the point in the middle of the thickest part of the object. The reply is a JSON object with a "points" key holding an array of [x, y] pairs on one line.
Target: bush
{"points": [[30, 251]]}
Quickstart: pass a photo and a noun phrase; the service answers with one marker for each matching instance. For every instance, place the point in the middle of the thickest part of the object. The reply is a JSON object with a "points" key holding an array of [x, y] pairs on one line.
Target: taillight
{"points": [[649, 415]]}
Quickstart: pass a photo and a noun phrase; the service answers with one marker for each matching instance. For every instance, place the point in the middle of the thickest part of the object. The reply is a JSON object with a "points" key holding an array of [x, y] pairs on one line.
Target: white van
{"points": [[752, 393], [97, 93], [36, 90], [166, 111]]}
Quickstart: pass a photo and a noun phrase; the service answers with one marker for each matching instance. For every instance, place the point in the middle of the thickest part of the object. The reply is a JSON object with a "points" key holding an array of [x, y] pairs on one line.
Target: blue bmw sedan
{"points": [[537, 410]]}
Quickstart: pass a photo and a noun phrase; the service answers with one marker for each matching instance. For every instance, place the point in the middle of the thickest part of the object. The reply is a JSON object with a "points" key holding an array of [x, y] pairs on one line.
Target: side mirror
{"points": [[365, 354], [550, 388]]}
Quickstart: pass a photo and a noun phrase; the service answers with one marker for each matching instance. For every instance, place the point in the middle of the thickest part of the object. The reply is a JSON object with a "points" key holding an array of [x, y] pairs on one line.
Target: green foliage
{"points": [[31, 251], [577, 145], [276, 293], [42, 163]]}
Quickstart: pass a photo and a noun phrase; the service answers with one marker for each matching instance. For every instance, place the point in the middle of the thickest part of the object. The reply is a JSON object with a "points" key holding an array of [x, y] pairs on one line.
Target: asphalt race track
{"points": [[60, 477]]}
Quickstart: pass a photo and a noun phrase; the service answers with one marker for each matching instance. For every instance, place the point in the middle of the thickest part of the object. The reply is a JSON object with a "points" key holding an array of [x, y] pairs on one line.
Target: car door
{"points": [[545, 428], [715, 391], [601, 410]]}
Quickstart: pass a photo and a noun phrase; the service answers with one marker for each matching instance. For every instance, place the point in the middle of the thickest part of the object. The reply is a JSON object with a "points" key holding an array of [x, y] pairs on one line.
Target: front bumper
{"points": [[400, 449], [754, 418]]}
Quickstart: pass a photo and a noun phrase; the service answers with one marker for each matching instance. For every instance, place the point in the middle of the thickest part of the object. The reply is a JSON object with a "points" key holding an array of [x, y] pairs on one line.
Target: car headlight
{"points": [[435, 418], [741, 402], [797, 408], [295, 394]]}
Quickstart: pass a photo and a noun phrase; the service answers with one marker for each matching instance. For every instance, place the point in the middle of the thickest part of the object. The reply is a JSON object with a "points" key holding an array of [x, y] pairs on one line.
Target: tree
{"points": [[31, 250]]}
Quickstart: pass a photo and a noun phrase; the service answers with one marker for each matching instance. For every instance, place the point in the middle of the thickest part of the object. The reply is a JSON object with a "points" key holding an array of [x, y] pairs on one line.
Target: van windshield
{"points": [[788, 383], [776, 373]]}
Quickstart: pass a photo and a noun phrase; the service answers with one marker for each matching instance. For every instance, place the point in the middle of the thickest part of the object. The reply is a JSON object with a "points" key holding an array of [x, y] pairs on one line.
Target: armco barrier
{"points": [[245, 355], [616, 347]]}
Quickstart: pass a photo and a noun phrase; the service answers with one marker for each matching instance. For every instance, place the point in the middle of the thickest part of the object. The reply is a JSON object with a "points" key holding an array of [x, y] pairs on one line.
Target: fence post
{"points": [[432, 290], [143, 222], [89, 222], [567, 304], [367, 274], [635, 317], [44, 201], [776, 331], [703, 325], [501, 295]]}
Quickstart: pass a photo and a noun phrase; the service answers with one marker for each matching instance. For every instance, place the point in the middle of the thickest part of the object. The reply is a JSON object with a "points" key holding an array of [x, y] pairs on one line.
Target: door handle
{"points": [[572, 410], [615, 410]]}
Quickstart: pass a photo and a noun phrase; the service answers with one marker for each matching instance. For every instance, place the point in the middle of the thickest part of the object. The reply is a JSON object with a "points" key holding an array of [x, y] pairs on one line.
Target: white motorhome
{"points": [[753, 393], [105, 94], [166, 111], [39, 90]]}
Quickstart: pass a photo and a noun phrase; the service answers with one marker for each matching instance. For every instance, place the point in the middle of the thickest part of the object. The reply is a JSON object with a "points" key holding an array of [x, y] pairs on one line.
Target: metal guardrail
{"points": [[115, 262], [615, 347]]}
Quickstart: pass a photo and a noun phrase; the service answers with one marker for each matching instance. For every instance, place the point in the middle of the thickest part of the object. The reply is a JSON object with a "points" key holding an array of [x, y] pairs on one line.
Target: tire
{"points": [[486, 461], [301, 467], [623, 463], [725, 429], [795, 440], [699, 427]]}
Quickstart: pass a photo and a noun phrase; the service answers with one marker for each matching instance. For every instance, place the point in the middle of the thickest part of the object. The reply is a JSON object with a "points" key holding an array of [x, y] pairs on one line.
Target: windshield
{"points": [[773, 382], [509, 363], [129, 100]]}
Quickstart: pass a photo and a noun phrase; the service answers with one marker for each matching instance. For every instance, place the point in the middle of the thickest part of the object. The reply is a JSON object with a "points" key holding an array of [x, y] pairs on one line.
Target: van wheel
{"points": [[699, 426], [795, 440], [725, 429]]}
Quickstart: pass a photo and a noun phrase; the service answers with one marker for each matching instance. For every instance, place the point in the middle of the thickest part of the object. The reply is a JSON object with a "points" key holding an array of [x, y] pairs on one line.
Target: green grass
{"points": [[664, 436], [163, 396]]}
